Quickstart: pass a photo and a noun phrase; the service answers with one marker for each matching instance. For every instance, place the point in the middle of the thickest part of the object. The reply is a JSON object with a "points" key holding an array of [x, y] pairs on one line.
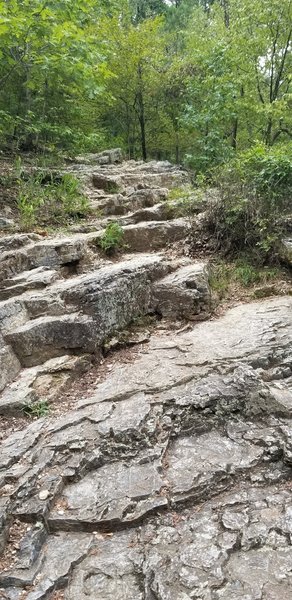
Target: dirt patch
{"points": [[10, 425], [58, 595], [83, 387], [16, 533], [236, 293]]}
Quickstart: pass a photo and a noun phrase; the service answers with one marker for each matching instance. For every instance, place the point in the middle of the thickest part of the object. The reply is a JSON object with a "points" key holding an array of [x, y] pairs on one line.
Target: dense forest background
{"points": [[192, 81]]}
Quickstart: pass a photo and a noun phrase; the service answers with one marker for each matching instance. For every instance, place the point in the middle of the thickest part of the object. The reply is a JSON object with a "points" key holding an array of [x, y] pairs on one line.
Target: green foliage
{"points": [[36, 409], [219, 279], [185, 201], [248, 274], [112, 238], [48, 73], [225, 277], [48, 200], [255, 198], [174, 80]]}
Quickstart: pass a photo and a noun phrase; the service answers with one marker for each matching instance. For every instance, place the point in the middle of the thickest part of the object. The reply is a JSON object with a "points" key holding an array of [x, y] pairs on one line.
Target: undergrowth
{"points": [[254, 204], [185, 201], [242, 274], [43, 197]]}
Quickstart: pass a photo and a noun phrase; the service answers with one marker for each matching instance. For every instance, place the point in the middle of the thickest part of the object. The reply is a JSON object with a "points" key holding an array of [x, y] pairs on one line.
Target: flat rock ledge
{"points": [[171, 482]]}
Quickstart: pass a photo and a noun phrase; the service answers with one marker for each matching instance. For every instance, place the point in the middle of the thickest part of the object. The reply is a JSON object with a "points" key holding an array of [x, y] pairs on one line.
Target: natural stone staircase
{"points": [[170, 479], [61, 295]]}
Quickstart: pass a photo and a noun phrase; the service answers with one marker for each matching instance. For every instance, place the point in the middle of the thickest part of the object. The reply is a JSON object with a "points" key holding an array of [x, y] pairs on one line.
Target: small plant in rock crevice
{"points": [[112, 238], [37, 409]]}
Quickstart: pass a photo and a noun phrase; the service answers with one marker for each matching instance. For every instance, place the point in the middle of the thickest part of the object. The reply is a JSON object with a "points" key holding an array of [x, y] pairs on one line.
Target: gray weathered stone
{"points": [[10, 366], [173, 472], [113, 494], [17, 240], [6, 223], [184, 293], [42, 383], [108, 157], [46, 337], [286, 251], [154, 235], [38, 278]]}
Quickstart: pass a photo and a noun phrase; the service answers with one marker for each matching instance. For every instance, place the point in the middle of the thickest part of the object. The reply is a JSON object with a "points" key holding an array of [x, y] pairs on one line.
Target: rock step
{"points": [[107, 157], [58, 252], [41, 384], [17, 240], [37, 278], [119, 204], [50, 253], [132, 174], [109, 299], [184, 294], [48, 337], [83, 291], [158, 212], [154, 235], [65, 296]]}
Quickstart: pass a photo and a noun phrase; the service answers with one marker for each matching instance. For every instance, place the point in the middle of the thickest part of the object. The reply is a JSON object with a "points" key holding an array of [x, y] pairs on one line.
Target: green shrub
{"points": [[112, 238], [248, 275], [254, 199]]}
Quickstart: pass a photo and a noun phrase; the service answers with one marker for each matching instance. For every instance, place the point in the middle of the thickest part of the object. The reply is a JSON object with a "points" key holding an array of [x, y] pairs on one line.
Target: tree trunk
{"points": [[141, 115], [142, 127], [225, 6], [235, 126], [234, 134], [268, 133]]}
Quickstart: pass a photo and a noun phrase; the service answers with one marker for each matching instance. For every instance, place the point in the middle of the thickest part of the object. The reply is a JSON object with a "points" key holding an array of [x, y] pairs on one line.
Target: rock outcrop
{"points": [[171, 478]]}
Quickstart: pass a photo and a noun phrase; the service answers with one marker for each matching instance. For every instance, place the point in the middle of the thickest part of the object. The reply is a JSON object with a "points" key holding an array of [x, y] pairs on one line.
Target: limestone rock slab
{"points": [[116, 493], [10, 366], [184, 293], [196, 465], [48, 337], [154, 235]]}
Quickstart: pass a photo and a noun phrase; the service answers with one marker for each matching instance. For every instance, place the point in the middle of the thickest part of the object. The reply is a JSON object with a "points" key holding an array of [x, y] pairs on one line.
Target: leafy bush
{"points": [[254, 200], [112, 238]]}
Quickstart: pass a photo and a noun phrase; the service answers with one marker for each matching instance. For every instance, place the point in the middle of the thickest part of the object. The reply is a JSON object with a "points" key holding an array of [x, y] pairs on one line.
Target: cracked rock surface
{"points": [[172, 481], [171, 478]]}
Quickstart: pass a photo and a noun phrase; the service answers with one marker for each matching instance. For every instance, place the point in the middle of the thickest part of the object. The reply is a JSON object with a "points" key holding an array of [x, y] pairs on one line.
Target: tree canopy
{"points": [[186, 80]]}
